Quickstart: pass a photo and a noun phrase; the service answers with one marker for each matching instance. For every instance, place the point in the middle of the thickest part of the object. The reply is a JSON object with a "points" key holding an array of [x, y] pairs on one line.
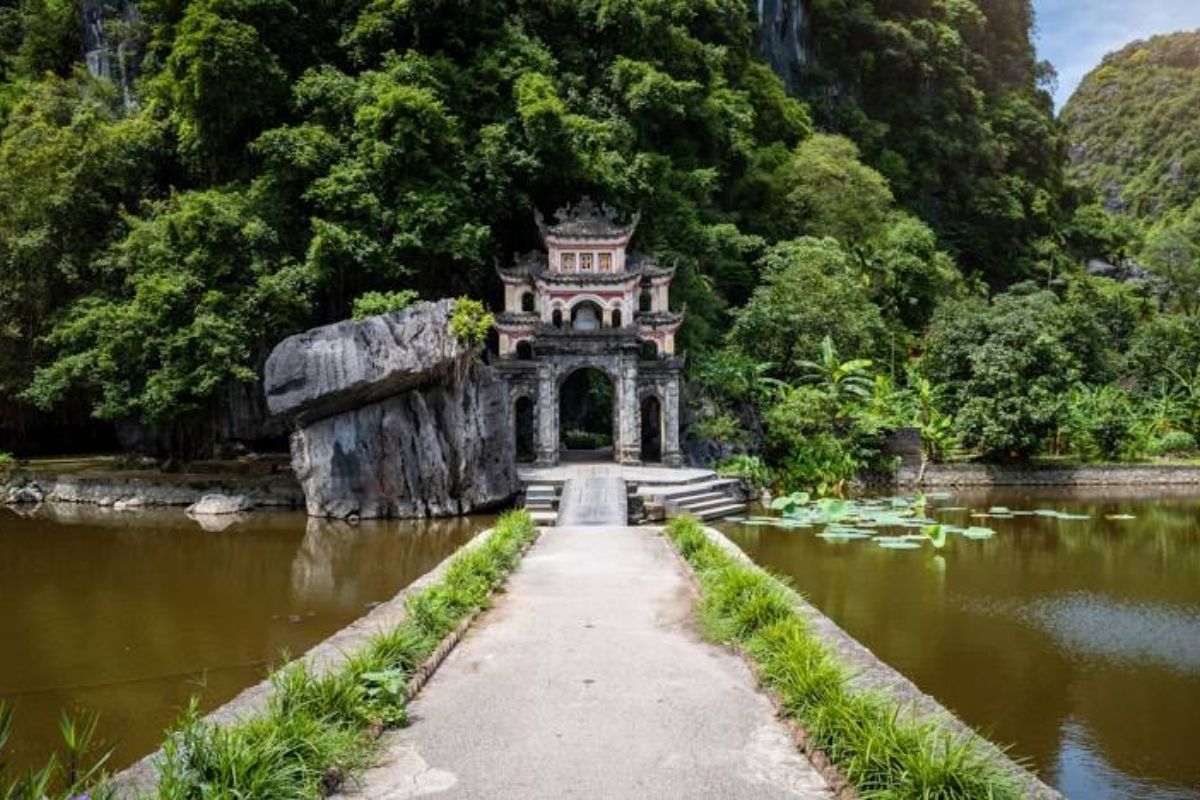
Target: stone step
{"points": [[695, 499], [700, 508], [672, 492], [717, 512], [541, 505], [545, 519]]}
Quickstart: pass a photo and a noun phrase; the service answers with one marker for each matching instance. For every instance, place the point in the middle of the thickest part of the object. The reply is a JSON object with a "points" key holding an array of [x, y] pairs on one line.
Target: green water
{"points": [[129, 614], [1075, 641]]}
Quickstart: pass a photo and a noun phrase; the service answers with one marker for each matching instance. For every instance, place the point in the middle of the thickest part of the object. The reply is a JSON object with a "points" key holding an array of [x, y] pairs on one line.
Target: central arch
{"points": [[587, 415]]}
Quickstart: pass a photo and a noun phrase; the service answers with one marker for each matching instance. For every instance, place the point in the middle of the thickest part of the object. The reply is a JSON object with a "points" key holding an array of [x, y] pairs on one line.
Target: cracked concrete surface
{"points": [[588, 679]]}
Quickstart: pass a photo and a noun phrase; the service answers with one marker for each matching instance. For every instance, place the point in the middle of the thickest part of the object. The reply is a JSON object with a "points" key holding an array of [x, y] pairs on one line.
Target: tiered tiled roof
{"points": [[586, 220]]}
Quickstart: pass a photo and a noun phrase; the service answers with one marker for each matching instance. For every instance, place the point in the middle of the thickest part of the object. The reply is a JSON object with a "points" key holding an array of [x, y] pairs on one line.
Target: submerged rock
{"points": [[395, 418], [216, 505]]}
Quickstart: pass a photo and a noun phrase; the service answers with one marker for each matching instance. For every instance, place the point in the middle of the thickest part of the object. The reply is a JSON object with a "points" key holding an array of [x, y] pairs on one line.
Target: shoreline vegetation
{"points": [[878, 745], [317, 727]]}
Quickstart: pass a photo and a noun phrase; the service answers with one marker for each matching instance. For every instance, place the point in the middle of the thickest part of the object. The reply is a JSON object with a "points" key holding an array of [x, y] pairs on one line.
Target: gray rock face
{"points": [[782, 35], [345, 366], [395, 418]]}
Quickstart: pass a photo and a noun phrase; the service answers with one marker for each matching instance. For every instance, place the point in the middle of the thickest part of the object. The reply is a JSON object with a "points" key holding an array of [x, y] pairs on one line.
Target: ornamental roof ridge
{"points": [[587, 220]]}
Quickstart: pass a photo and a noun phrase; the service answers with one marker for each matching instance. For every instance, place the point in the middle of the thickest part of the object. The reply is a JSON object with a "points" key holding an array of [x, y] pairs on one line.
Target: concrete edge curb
{"points": [[871, 673], [838, 785], [326, 656]]}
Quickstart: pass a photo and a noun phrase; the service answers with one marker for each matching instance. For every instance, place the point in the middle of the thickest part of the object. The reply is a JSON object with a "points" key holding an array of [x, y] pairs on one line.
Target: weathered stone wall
{"points": [[936, 475], [396, 418]]}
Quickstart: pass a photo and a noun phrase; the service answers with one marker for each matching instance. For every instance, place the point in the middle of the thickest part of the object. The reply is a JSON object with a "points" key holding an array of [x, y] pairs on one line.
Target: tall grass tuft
{"points": [[315, 728], [80, 772], [883, 749]]}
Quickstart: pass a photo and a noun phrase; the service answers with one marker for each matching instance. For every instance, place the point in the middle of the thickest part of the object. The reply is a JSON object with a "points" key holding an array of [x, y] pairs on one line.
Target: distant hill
{"points": [[1134, 126]]}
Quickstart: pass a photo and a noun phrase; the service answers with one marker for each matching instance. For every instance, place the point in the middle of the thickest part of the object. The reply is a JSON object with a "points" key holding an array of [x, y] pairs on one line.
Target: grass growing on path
{"points": [[317, 729], [883, 751]]}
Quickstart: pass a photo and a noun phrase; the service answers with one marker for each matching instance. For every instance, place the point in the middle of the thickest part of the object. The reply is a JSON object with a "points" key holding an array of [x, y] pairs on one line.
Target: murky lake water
{"points": [[1075, 641], [129, 614]]}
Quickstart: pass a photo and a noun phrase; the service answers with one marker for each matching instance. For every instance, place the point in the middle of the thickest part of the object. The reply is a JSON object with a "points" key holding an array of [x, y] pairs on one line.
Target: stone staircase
{"points": [[655, 494], [541, 501], [707, 499]]}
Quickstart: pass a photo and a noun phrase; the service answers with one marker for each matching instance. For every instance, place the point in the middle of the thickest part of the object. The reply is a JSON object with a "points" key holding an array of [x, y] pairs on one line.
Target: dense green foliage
{"points": [[947, 101], [876, 742], [285, 164], [370, 304], [314, 730], [1132, 127]]}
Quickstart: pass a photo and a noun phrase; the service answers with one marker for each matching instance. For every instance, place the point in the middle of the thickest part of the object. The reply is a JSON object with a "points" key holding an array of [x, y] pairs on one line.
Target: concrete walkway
{"points": [[588, 679], [593, 501]]}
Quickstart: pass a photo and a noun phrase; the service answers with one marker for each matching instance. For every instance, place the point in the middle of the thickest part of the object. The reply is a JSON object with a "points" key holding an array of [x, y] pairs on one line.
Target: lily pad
{"points": [[900, 545]]}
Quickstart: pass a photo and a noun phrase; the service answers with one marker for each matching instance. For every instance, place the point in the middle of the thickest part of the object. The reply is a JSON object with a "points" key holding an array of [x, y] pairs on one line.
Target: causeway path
{"points": [[589, 679], [593, 501]]}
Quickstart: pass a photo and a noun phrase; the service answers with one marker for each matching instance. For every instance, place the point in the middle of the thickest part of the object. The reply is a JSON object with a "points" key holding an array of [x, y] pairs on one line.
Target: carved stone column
{"points": [[629, 445], [547, 416], [670, 435]]}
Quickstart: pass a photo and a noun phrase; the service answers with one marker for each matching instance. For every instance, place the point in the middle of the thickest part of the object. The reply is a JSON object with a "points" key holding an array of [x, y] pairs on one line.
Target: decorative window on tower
{"points": [[606, 262], [585, 261], [568, 262]]}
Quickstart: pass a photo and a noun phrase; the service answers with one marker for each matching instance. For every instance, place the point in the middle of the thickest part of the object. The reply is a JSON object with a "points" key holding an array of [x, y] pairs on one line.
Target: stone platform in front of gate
{"points": [[641, 474]]}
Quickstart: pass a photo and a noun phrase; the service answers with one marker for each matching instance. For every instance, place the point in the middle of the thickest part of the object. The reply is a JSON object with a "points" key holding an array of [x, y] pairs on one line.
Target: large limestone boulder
{"points": [[347, 365], [395, 418]]}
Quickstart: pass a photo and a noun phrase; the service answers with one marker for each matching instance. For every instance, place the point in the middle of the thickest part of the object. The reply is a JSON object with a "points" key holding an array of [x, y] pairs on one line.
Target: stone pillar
{"points": [[547, 416], [671, 454], [629, 444]]}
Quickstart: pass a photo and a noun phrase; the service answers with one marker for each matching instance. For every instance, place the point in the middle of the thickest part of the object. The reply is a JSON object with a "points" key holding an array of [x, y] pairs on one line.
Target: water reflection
{"points": [[1076, 641], [129, 613]]}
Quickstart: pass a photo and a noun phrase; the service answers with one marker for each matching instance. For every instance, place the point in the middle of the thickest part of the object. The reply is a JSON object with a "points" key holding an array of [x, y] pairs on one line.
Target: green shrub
{"points": [[876, 743], [470, 322], [372, 304], [1175, 443], [722, 427], [750, 468], [7, 462]]}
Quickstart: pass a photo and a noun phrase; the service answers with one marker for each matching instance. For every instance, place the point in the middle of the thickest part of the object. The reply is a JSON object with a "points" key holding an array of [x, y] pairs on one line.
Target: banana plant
{"points": [[845, 381]]}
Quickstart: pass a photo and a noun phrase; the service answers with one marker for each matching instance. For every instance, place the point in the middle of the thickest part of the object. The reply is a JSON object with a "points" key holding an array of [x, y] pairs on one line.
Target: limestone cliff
{"points": [[782, 36], [395, 418]]}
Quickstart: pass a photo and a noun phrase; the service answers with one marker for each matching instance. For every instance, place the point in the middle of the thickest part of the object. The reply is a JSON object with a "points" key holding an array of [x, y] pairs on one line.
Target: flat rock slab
{"points": [[593, 501], [588, 679]]}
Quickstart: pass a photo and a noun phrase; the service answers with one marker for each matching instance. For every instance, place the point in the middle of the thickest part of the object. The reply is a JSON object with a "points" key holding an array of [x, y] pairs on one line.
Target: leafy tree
{"points": [[1173, 251], [204, 288], [1007, 367], [809, 292], [69, 167]]}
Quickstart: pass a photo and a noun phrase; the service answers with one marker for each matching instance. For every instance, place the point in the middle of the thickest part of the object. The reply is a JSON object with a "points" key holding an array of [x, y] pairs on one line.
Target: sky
{"points": [[1075, 35]]}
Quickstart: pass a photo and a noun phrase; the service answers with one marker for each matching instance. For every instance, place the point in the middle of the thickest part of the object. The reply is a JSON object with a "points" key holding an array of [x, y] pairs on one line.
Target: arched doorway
{"points": [[524, 350], [652, 428], [523, 426], [616, 318], [556, 319], [586, 316], [585, 415]]}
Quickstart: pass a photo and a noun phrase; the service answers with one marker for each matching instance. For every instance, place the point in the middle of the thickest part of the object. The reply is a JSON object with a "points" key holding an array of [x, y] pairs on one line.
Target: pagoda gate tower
{"points": [[587, 303]]}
